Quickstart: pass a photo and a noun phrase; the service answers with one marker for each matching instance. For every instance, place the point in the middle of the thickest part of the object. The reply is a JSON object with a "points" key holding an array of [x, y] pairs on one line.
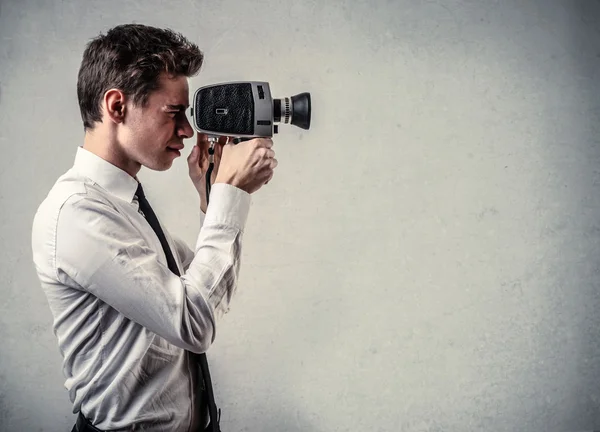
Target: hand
{"points": [[198, 164], [248, 165]]}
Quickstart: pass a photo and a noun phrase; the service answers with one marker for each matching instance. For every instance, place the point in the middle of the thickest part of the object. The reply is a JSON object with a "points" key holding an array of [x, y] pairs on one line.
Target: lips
{"points": [[176, 147]]}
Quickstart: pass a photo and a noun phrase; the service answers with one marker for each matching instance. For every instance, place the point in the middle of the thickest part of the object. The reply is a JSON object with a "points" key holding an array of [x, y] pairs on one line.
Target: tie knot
{"points": [[140, 192]]}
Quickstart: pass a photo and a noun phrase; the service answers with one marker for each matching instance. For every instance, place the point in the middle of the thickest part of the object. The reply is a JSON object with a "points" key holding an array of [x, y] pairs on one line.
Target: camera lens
{"points": [[295, 110], [301, 110], [282, 110]]}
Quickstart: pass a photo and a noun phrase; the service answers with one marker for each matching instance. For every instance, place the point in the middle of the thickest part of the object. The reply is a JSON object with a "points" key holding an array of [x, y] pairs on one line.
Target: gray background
{"points": [[426, 257]]}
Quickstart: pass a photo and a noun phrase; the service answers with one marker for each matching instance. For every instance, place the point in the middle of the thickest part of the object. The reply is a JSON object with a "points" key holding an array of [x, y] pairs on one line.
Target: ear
{"points": [[114, 105]]}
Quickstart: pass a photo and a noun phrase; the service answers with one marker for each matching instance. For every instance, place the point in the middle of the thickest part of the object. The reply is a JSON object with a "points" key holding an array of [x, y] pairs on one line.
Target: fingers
{"points": [[224, 140], [271, 163], [264, 142], [194, 155], [269, 153], [198, 160], [271, 173], [219, 151], [202, 146], [201, 139]]}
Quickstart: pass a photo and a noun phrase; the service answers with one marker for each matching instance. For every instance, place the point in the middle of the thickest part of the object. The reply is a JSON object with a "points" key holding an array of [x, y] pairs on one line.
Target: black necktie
{"points": [[153, 221]]}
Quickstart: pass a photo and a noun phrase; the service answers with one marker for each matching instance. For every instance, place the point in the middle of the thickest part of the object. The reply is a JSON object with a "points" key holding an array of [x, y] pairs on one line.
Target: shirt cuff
{"points": [[228, 205]]}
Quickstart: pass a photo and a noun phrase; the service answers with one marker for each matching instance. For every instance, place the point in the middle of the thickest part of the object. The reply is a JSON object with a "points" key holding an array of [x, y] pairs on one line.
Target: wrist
{"points": [[203, 203], [225, 178], [203, 200]]}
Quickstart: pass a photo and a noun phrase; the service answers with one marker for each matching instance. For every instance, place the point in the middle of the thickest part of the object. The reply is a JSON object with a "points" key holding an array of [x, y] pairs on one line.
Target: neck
{"points": [[103, 145]]}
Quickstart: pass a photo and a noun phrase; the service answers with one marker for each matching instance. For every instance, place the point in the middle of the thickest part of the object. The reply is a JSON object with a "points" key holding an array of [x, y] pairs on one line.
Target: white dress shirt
{"points": [[122, 319]]}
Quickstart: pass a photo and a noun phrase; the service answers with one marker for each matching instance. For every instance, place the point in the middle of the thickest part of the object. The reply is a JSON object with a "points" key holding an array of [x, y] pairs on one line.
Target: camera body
{"points": [[246, 109]]}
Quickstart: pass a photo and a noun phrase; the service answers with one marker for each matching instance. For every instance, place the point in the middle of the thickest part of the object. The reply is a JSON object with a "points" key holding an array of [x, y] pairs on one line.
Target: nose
{"points": [[184, 129]]}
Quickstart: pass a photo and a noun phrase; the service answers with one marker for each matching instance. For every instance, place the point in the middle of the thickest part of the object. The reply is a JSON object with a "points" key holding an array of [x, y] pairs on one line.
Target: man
{"points": [[128, 322]]}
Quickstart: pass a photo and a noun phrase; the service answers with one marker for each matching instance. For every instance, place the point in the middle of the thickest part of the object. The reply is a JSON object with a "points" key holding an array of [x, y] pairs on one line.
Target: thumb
{"points": [[193, 159], [193, 154]]}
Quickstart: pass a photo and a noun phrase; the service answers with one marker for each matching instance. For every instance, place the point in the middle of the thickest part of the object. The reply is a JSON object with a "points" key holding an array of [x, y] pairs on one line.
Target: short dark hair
{"points": [[131, 57]]}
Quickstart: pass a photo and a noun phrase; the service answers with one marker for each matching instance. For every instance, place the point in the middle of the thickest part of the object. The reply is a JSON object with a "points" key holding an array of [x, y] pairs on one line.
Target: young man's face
{"points": [[154, 134]]}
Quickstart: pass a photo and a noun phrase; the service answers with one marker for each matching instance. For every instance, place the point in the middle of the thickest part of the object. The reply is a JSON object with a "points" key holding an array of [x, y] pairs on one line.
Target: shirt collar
{"points": [[105, 174]]}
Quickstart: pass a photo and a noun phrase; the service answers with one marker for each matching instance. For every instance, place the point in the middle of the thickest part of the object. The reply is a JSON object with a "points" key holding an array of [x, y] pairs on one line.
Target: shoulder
{"points": [[69, 193], [70, 203]]}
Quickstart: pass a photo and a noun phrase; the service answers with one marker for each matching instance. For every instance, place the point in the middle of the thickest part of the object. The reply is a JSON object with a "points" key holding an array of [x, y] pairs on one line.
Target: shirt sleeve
{"points": [[183, 250], [99, 249]]}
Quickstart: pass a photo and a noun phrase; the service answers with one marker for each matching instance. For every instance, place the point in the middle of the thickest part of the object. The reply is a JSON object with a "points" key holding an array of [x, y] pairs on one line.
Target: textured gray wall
{"points": [[427, 257]]}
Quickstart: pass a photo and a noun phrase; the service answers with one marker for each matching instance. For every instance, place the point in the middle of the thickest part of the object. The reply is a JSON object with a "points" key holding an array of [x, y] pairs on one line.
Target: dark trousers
{"points": [[83, 425]]}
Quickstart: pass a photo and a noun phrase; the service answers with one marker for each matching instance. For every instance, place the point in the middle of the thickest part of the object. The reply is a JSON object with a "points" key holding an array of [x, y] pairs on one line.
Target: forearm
{"points": [[214, 269], [128, 275]]}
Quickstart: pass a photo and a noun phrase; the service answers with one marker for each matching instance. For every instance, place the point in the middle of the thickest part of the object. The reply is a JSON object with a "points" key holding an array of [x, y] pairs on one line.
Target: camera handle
{"points": [[211, 164]]}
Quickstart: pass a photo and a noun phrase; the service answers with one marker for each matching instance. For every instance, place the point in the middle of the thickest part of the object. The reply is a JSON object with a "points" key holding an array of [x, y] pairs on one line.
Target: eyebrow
{"points": [[179, 107]]}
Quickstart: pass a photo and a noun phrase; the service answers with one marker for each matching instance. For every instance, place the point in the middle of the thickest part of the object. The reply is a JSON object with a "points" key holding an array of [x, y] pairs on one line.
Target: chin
{"points": [[161, 165], [165, 166]]}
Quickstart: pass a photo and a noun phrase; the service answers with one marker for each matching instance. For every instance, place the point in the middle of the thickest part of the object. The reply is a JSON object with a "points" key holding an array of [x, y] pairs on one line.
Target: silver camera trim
{"points": [[263, 109]]}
